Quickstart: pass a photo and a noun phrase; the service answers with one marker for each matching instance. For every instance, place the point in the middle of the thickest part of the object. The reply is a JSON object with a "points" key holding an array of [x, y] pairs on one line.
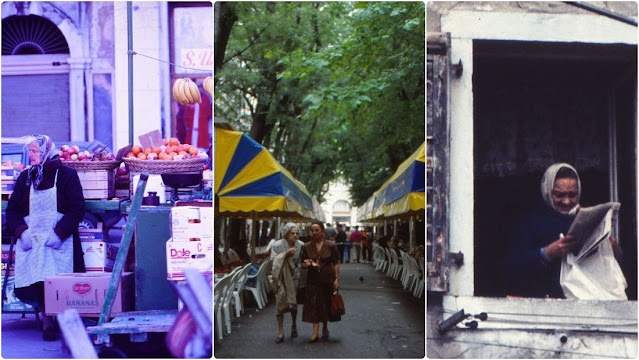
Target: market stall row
{"points": [[400, 198]]}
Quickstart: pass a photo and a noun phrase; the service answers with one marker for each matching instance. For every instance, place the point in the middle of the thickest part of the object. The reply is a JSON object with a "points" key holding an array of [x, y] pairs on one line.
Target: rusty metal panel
{"points": [[437, 160]]}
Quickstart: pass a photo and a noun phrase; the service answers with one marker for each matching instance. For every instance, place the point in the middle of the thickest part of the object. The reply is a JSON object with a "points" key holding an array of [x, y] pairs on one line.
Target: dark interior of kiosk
{"points": [[536, 104]]}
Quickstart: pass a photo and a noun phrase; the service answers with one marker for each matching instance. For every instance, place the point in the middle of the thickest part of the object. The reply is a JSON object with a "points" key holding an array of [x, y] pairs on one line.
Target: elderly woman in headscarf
{"points": [[285, 274], [532, 262], [43, 214]]}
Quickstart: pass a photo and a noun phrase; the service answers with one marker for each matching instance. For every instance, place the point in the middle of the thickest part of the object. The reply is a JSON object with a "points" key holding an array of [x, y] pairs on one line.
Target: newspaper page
{"points": [[593, 225]]}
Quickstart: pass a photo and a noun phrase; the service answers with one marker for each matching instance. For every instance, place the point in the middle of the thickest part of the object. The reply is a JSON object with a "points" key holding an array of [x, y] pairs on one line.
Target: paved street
{"points": [[382, 321], [21, 339]]}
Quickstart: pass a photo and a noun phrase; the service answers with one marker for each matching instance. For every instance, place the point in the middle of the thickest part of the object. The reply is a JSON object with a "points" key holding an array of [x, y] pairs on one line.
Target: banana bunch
{"points": [[207, 84], [186, 92]]}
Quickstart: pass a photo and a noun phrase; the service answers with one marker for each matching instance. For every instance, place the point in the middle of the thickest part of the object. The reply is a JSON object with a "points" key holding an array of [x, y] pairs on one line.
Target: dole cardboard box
{"points": [[184, 254], [85, 292]]}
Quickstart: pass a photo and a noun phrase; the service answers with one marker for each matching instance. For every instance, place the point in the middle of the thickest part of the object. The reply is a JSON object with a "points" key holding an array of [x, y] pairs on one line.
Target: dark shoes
{"points": [[293, 333], [313, 340], [50, 334], [280, 339], [325, 335]]}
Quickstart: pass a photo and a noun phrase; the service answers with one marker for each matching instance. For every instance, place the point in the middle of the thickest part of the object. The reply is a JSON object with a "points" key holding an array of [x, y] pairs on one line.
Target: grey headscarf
{"points": [[286, 228], [47, 152], [548, 182]]}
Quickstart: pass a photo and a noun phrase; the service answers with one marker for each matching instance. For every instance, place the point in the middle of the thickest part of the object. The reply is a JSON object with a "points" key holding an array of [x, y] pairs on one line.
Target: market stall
{"points": [[250, 183], [402, 196]]}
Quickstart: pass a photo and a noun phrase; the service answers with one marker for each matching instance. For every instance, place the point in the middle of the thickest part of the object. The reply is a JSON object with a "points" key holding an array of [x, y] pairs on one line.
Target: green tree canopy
{"points": [[332, 89]]}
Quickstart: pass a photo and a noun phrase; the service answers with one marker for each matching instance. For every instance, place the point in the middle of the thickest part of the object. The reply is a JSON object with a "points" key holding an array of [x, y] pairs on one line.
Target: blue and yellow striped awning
{"points": [[249, 181], [403, 193]]}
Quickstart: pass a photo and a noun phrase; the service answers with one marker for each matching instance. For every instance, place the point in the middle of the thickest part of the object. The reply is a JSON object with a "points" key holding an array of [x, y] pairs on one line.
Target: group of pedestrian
{"points": [[316, 265]]}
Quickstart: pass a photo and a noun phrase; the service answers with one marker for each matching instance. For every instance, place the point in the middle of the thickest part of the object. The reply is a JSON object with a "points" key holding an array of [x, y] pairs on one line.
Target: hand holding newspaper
{"points": [[590, 271], [593, 225]]}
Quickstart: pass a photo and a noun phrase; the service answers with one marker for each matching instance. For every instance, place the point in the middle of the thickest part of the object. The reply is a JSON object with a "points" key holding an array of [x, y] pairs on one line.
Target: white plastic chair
{"points": [[228, 295], [391, 263], [398, 266], [257, 290], [266, 285], [219, 292], [238, 303], [419, 287]]}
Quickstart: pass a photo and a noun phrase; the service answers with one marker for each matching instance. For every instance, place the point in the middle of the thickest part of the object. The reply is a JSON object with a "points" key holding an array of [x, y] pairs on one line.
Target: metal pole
{"points": [[129, 23], [602, 11]]}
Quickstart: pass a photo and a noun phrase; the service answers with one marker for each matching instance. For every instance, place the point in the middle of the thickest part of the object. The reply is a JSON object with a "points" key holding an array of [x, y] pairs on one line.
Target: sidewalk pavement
{"points": [[382, 321], [21, 339]]}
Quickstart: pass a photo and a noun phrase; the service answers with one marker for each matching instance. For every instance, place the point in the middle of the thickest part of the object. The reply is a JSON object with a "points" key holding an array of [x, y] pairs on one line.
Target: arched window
{"points": [[32, 35], [341, 205]]}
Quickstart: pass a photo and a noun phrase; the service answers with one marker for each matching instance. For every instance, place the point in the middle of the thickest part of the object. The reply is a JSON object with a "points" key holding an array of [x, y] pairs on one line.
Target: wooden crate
{"points": [[7, 186], [97, 184]]}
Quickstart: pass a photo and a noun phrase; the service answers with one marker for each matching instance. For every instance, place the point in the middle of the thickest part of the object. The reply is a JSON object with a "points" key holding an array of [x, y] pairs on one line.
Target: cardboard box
{"points": [[186, 223], [12, 303], [7, 186], [7, 173], [92, 234], [99, 256], [85, 292], [184, 254], [5, 258]]}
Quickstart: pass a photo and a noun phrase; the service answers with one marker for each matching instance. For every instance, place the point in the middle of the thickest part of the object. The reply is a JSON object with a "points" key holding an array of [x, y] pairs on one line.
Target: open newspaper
{"points": [[591, 226]]}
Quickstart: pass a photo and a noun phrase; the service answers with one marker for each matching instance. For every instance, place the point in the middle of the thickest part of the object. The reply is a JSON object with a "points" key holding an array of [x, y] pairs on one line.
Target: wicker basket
{"points": [[93, 165], [165, 166]]}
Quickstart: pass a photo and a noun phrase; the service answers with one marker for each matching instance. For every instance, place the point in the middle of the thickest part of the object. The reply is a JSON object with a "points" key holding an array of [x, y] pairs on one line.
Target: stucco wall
{"points": [[434, 9]]}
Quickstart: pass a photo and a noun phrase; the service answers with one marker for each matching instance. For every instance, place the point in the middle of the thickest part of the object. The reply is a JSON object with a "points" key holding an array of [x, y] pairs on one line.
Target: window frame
{"points": [[465, 27]]}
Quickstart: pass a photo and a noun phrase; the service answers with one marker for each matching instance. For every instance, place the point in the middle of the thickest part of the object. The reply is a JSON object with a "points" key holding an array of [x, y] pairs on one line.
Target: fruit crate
{"points": [[7, 186], [97, 184]]}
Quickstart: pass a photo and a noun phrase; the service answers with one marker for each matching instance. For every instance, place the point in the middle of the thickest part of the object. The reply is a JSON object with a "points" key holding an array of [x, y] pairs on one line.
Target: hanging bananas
{"points": [[207, 84], [186, 92]]}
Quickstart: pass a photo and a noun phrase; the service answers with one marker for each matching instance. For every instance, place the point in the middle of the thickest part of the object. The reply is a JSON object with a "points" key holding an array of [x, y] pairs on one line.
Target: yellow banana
{"points": [[175, 91], [185, 100], [187, 93], [195, 92], [208, 85]]}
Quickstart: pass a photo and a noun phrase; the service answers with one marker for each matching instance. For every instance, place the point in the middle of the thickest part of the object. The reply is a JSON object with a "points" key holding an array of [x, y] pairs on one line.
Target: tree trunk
{"points": [[225, 17]]}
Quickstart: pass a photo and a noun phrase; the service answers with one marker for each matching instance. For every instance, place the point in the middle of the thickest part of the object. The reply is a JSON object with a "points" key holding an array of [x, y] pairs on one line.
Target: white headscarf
{"points": [[286, 228], [47, 152], [548, 183]]}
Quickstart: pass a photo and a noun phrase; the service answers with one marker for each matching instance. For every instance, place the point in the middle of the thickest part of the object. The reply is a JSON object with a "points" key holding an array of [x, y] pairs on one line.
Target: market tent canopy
{"points": [[249, 181], [365, 212], [403, 193]]}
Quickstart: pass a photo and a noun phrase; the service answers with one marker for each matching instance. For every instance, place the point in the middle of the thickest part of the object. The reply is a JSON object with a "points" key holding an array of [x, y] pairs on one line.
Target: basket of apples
{"points": [[170, 158], [84, 160]]}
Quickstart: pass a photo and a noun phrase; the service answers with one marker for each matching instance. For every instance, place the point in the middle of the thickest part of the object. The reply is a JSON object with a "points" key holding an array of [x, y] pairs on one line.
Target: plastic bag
{"points": [[596, 276]]}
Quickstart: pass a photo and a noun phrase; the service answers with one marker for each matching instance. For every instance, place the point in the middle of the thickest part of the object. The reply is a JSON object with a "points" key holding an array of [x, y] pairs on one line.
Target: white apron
{"points": [[42, 261]]}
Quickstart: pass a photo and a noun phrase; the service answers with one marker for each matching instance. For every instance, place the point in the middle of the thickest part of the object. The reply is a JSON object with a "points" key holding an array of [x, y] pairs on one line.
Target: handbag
{"points": [[337, 305]]}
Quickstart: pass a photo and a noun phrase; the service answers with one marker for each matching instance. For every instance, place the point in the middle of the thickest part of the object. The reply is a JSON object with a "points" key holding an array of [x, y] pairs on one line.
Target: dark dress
{"points": [[70, 203], [319, 284], [524, 270]]}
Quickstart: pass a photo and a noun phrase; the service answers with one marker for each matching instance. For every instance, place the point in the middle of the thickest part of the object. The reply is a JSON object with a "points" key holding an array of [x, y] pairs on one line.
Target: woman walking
{"points": [[322, 260], [285, 254]]}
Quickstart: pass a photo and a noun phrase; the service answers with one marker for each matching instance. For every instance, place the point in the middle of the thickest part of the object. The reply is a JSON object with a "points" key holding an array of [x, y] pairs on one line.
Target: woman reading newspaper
{"points": [[540, 239]]}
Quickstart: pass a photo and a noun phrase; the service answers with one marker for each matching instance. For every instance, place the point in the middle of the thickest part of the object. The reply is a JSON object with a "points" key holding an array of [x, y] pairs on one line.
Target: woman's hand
{"points": [[53, 241], [561, 247], [290, 252], [25, 241], [336, 284]]}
